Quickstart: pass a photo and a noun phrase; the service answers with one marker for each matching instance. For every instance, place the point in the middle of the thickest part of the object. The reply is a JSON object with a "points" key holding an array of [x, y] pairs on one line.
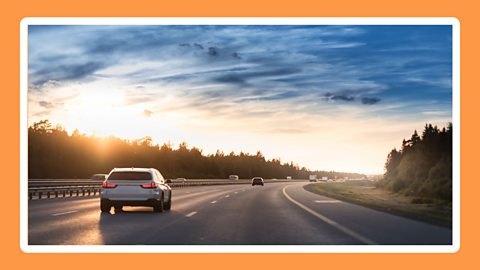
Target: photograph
{"points": [[240, 135]]}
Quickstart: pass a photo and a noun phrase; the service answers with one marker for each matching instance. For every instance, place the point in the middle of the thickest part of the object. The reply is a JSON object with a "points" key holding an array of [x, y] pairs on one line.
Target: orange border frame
{"points": [[11, 15]]}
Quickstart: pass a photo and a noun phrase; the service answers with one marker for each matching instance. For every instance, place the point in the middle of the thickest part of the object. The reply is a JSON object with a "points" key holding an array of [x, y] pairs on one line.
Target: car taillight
{"points": [[151, 185], [108, 185]]}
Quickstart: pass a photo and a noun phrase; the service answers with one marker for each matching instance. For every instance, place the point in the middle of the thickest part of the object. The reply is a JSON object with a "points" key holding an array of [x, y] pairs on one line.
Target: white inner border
{"points": [[240, 248]]}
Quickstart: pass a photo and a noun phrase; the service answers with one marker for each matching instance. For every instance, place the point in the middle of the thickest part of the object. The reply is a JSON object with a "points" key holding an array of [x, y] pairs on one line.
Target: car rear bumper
{"points": [[149, 202]]}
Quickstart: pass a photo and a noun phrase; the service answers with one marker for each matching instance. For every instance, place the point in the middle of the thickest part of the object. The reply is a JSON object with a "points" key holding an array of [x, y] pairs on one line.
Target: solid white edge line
{"points": [[325, 219]]}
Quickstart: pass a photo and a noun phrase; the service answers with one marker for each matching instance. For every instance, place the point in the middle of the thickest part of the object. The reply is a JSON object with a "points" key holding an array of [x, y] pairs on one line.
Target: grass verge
{"points": [[365, 193]]}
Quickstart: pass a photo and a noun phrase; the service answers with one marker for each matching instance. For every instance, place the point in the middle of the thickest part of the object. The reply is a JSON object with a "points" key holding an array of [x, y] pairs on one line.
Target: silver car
{"points": [[135, 187]]}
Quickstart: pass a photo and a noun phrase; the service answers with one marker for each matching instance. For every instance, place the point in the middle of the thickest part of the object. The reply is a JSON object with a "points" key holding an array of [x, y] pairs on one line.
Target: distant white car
{"points": [[135, 187], [257, 181], [233, 177]]}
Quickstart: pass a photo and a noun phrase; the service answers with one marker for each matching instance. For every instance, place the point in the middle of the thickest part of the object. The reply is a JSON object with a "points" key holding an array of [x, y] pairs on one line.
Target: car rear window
{"points": [[130, 176]]}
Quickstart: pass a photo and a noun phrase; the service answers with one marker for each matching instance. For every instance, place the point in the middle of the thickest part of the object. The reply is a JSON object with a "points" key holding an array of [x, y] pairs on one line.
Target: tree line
{"points": [[423, 166], [53, 153]]}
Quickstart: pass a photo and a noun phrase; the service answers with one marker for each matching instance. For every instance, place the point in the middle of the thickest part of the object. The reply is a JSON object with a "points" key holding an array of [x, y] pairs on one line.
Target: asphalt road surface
{"points": [[277, 213]]}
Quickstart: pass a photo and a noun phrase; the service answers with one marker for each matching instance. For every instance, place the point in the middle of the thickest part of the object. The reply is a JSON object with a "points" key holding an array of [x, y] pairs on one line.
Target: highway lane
{"points": [[278, 213]]}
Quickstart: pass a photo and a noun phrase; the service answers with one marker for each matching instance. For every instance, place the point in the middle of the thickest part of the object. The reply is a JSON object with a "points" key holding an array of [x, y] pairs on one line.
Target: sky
{"points": [[326, 97]]}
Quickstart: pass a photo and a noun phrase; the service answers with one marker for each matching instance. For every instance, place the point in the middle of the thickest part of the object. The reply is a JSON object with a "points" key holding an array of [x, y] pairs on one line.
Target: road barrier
{"points": [[61, 188]]}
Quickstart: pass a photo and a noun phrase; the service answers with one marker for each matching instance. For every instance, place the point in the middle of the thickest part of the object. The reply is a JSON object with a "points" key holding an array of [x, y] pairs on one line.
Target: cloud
{"points": [[241, 78], [147, 113], [46, 104], [199, 46], [291, 66], [339, 97], [236, 55], [370, 101], [212, 51], [64, 72]]}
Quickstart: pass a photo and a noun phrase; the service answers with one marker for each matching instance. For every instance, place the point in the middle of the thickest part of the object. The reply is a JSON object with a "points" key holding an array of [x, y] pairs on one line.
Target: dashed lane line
{"points": [[64, 213], [327, 201], [191, 214]]}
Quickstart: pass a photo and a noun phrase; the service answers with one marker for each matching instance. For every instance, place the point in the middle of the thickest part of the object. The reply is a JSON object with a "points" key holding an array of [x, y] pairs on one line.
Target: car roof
{"points": [[133, 169]]}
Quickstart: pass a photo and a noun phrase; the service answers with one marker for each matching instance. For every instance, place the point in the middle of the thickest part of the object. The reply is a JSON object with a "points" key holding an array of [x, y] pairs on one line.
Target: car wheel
{"points": [[105, 206], [158, 206], [168, 205]]}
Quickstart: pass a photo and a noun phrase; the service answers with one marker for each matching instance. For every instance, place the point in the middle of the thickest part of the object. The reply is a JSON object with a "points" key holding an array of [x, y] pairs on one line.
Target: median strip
{"points": [[329, 221]]}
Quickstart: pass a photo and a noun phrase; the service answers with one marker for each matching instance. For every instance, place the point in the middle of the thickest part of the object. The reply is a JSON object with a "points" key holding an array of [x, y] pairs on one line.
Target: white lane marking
{"points": [[329, 221], [64, 213], [214, 202], [191, 214], [327, 201], [227, 196]]}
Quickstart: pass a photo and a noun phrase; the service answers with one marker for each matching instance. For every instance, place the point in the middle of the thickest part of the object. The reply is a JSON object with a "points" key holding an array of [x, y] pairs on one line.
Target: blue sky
{"points": [[322, 96]]}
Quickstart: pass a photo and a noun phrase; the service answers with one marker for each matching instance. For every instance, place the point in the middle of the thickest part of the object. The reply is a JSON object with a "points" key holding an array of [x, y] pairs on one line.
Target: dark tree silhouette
{"points": [[423, 167], [52, 153]]}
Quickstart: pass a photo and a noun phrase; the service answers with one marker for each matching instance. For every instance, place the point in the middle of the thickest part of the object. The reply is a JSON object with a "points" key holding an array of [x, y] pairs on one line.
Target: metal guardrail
{"points": [[61, 188]]}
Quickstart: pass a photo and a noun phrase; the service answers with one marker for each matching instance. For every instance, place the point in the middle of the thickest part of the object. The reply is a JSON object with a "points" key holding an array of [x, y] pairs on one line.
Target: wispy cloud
{"points": [[299, 80]]}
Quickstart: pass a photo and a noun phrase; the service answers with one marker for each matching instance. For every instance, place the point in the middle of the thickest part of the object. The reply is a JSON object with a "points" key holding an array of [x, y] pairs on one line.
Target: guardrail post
{"points": [[63, 193], [56, 194], [40, 194], [78, 191], [88, 192], [48, 194], [83, 192], [71, 192]]}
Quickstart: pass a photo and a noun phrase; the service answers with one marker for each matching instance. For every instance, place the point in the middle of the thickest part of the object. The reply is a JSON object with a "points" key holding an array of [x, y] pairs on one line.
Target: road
{"points": [[277, 213]]}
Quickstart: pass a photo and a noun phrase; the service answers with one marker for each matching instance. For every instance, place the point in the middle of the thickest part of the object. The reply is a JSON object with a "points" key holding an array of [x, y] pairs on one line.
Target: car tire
{"points": [[105, 206], [168, 205], [158, 206]]}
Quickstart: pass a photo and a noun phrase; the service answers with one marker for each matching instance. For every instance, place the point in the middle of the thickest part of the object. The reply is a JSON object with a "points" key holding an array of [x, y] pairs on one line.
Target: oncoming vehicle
{"points": [[99, 176], [135, 187], [257, 181]]}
